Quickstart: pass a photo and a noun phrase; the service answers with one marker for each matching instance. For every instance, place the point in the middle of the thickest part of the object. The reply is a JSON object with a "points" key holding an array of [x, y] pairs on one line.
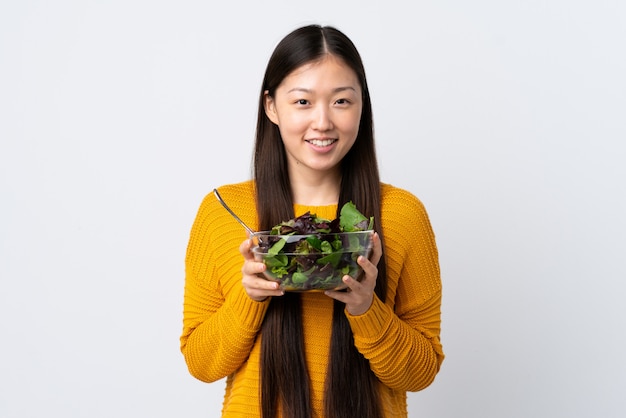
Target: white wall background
{"points": [[506, 118]]}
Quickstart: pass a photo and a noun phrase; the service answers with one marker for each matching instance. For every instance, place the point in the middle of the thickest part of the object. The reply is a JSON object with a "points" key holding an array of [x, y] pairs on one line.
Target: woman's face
{"points": [[317, 109]]}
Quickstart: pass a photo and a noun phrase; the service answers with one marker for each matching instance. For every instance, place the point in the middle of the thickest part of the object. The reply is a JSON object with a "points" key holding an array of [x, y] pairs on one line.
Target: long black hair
{"points": [[351, 387]]}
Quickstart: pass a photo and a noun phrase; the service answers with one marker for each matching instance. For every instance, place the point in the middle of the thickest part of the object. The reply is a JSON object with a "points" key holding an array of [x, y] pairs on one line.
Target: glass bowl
{"points": [[314, 261]]}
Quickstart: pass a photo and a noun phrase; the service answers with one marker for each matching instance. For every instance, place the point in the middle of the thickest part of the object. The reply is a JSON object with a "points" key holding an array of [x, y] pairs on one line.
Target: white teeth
{"points": [[321, 142]]}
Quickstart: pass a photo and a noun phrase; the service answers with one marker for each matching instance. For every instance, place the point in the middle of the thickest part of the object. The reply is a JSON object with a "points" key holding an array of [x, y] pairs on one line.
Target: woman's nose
{"points": [[322, 119]]}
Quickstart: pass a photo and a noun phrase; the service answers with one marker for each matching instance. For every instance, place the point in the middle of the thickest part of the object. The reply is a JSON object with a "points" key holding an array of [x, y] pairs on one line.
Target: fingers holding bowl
{"points": [[256, 286], [359, 294]]}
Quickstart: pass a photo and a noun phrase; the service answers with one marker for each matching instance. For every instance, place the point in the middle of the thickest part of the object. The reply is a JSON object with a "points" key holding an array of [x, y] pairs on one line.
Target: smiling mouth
{"points": [[321, 142]]}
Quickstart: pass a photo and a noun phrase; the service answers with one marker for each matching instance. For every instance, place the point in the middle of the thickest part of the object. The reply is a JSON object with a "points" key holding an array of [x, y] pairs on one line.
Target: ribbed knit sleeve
{"points": [[401, 337], [220, 321]]}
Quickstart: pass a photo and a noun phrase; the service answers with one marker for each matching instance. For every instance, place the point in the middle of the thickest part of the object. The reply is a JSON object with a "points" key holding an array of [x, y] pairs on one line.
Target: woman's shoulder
{"points": [[240, 197], [399, 200], [233, 193], [242, 189], [403, 215]]}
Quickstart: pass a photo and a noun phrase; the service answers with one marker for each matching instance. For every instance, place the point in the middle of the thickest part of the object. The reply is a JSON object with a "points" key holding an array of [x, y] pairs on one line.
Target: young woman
{"points": [[351, 353]]}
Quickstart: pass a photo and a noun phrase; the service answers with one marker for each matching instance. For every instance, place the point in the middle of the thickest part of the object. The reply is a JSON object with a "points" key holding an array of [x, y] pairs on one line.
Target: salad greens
{"points": [[308, 252]]}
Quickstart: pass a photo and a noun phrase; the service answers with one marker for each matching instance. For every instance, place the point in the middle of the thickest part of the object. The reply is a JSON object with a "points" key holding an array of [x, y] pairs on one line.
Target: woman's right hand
{"points": [[256, 286]]}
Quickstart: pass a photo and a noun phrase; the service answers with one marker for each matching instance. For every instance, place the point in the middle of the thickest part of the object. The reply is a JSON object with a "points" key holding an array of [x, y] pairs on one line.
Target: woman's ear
{"points": [[270, 107]]}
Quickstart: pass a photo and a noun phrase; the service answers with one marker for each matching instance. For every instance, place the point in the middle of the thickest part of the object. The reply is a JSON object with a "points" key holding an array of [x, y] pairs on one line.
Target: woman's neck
{"points": [[321, 189]]}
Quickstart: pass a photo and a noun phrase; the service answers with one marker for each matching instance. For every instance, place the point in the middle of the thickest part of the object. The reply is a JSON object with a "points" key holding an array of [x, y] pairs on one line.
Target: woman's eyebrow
{"points": [[335, 90]]}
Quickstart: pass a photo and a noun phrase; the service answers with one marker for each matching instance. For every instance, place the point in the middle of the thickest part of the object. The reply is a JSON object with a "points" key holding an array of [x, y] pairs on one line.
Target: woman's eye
{"points": [[342, 101], [302, 102]]}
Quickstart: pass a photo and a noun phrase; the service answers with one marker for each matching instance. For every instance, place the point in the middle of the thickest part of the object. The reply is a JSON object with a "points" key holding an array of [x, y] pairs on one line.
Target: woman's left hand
{"points": [[359, 295]]}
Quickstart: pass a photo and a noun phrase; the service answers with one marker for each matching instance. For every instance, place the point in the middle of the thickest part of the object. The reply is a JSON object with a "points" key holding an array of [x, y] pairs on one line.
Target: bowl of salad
{"points": [[308, 253]]}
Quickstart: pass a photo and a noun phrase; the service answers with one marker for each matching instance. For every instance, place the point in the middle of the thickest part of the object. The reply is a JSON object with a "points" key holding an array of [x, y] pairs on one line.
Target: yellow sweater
{"points": [[220, 322]]}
